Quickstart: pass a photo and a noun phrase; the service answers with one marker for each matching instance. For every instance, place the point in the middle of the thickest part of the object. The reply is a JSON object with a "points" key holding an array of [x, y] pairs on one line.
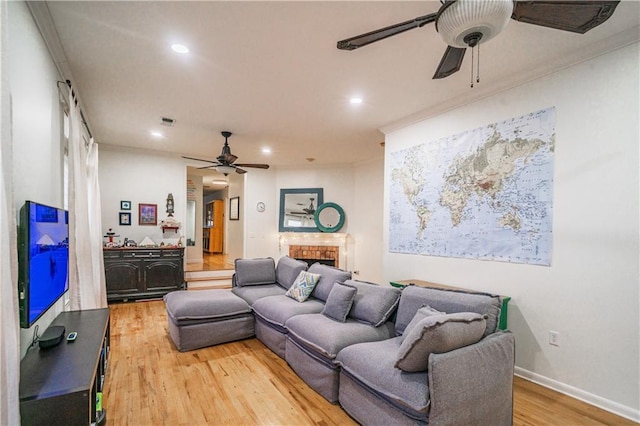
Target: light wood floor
{"points": [[211, 262], [244, 383]]}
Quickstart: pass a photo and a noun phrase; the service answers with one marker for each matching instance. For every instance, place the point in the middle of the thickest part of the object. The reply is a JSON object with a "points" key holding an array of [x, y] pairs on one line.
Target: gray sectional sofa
{"points": [[387, 356]]}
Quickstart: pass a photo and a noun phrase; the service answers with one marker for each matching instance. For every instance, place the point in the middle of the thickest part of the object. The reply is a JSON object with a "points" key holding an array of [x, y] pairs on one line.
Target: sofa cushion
{"points": [[302, 287], [328, 277], [372, 365], [339, 302], [323, 336], [449, 301], [288, 270], [194, 306], [425, 311], [373, 304], [278, 309], [438, 334], [255, 292], [254, 271]]}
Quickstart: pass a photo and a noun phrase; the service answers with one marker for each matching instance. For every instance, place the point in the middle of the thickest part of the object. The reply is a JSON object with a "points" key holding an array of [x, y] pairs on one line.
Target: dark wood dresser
{"points": [[141, 273]]}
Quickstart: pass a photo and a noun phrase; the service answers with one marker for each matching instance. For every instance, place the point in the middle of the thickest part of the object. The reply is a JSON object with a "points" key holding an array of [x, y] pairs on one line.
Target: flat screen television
{"points": [[43, 259]]}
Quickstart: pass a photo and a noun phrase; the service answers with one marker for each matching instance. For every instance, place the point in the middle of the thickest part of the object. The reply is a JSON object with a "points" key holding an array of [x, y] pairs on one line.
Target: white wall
{"points": [[590, 293], [366, 226], [261, 236], [141, 177], [356, 188], [37, 123], [194, 253], [235, 229]]}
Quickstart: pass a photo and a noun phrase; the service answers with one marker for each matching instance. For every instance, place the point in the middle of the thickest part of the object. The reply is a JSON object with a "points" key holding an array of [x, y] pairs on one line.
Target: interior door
{"points": [[217, 230]]}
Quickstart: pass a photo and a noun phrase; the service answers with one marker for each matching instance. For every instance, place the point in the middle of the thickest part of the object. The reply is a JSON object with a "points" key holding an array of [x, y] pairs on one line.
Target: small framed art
{"points": [[125, 218], [234, 208], [147, 214], [125, 205]]}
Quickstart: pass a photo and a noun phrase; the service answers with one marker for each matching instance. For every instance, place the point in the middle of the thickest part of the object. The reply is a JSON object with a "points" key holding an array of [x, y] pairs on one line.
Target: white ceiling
{"points": [[270, 72]]}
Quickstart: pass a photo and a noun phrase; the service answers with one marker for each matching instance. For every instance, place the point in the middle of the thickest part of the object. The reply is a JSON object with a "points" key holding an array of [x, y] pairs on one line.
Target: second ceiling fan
{"points": [[467, 23], [225, 163]]}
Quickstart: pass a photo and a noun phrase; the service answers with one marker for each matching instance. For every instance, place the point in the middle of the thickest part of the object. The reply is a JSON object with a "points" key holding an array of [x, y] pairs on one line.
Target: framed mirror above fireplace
{"points": [[297, 209]]}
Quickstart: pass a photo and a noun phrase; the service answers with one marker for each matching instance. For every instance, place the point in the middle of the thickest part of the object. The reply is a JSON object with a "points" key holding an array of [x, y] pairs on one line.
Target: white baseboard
{"points": [[589, 398]]}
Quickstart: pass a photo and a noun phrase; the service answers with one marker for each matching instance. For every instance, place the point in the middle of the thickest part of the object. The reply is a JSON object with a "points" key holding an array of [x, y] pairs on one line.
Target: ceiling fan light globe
{"points": [[225, 170], [488, 17]]}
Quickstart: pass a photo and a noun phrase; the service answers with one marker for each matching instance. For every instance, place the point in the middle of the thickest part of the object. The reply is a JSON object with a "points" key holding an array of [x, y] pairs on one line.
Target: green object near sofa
{"points": [[502, 324]]}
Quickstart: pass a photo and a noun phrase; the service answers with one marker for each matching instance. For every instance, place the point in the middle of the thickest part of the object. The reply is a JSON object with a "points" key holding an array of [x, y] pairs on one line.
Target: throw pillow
{"points": [[422, 313], [438, 334], [374, 303], [302, 287], [339, 301]]}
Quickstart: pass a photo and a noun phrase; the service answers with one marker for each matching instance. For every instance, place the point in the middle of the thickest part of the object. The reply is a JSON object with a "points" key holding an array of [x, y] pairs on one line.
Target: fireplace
{"points": [[312, 247], [329, 255]]}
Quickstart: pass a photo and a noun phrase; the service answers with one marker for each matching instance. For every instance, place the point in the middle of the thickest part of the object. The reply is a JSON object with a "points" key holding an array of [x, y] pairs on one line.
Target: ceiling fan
{"points": [[467, 23], [225, 163]]}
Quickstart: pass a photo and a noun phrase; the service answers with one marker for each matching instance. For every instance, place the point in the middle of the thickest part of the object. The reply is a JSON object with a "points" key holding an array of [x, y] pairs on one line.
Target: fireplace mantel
{"points": [[287, 239]]}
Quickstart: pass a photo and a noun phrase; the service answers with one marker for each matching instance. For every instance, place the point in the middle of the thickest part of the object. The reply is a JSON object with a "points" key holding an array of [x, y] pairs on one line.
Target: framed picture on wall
{"points": [[125, 205], [147, 214], [125, 218], [234, 208]]}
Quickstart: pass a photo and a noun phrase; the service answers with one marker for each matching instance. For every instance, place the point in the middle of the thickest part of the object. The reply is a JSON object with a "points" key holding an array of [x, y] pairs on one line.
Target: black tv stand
{"points": [[62, 385]]}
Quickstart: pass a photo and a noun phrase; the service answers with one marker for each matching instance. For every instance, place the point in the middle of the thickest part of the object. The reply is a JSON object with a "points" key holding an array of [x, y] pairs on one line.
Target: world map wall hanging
{"points": [[486, 193]]}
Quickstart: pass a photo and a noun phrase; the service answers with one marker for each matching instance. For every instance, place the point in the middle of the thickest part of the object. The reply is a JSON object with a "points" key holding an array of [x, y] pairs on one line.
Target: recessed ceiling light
{"points": [[355, 100], [156, 134], [180, 48], [266, 150]]}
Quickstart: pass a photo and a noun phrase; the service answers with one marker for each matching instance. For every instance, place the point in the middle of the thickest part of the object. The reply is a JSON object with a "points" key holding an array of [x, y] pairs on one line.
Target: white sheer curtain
{"points": [[86, 273], [9, 324], [95, 225]]}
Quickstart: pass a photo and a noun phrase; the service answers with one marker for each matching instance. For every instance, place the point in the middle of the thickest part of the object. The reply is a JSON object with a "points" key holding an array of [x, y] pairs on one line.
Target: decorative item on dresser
{"points": [[142, 273]]}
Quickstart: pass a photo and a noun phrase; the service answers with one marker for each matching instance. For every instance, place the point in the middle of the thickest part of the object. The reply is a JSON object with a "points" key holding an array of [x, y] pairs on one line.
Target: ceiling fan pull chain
{"points": [[478, 67], [472, 64]]}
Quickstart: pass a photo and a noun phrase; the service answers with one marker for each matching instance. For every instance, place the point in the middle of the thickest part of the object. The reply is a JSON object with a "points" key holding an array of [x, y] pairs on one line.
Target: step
{"points": [[200, 280], [208, 285]]}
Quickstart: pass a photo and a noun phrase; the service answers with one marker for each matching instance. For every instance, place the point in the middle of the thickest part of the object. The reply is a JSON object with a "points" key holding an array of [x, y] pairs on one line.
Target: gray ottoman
{"points": [[201, 318]]}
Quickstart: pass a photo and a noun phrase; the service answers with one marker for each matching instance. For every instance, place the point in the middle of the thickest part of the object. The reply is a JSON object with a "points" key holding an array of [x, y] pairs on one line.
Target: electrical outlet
{"points": [[554, 338]]}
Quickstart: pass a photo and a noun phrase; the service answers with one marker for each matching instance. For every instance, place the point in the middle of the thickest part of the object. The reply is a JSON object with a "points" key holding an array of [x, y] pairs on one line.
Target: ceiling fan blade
{"points": [[208, 167], [200, 159], [255, 166], [377, 35], [450, 62], [568, 15], [240, 171]]}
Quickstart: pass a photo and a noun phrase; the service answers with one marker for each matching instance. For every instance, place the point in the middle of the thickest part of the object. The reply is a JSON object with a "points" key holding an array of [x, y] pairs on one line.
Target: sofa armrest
{"points": [[474, 384]]}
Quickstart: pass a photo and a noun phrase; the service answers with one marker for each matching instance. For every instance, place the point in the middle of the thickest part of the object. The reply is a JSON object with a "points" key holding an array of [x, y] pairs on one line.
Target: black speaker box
{"points": [[52, 336]]}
